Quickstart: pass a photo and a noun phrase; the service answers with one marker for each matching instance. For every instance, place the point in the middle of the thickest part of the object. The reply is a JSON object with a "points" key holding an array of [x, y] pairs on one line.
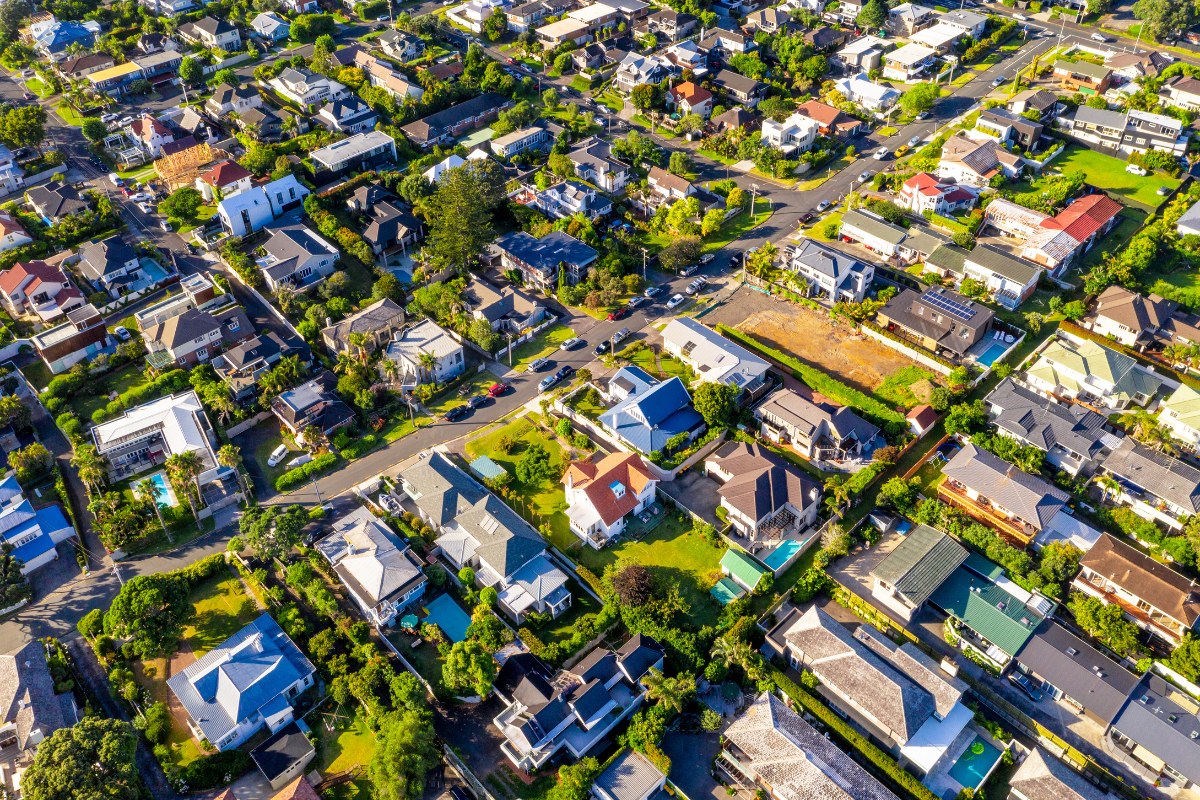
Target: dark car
{"points": [[603, 348], [620, 312], [564, 372], [458, 412], [478, 400], [1025, 685], [805, 218]]}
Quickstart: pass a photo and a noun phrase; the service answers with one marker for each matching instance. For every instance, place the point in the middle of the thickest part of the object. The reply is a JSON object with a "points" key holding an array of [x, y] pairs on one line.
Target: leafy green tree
{"points": [[681, 253], [873, 15], [462, 227], [190, 70], [534, 465], [183, 203], [272, 531], [643, 96], [915, 98], [151, 609], [91, 759], [1162, 17], [94, 130], [1186, 658], [680, 163], [749, 64], [966, 418], [14, 586], [550, 98], [575, 781], [716, 402], [495, 25], [24, 126], [259, 159], [901, 494], [307, 27], [405, 751], [1106, 622], [469, 668]]}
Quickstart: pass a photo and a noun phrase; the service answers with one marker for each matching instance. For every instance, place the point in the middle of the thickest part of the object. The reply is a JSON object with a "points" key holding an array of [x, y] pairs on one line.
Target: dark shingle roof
{"points": [[1027, 496], [1045, 423], [1078, 669]]}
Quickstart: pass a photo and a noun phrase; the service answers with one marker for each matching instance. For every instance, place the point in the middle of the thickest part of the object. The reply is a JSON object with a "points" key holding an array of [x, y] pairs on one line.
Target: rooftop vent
{"points": [[1071, 651]]}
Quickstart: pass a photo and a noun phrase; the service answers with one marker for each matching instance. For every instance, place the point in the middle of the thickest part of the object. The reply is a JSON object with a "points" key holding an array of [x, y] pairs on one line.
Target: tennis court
{"points": [[447, 615]]}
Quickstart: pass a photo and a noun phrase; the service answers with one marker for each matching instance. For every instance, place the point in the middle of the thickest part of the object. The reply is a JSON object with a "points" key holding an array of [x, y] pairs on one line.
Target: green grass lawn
{"points": [[349, 744], [1109, 173], [69, 115], [540, 346], [963, 79], [667, 366], [203, 215], [675, 553], [1116, 239], [716, 157], [38, 374], [818, 228], [894, 390], [583, 606], [39, 88], [84, 405], [399, 428], [613, 100], [263, 452], [824, 174], [583, 405], [888, 131], [732, 228], [930, 476]]}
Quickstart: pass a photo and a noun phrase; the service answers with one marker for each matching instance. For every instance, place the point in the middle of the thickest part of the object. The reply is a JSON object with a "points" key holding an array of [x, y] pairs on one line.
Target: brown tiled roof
{"points": [[1131, 309], [297, 790], [1145, 578], [669, 181], [627, 468]]}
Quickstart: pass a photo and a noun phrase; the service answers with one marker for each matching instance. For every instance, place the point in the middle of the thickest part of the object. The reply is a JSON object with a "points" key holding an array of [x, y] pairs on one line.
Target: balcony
{"points": [[1164, 627], [1017, 532]]}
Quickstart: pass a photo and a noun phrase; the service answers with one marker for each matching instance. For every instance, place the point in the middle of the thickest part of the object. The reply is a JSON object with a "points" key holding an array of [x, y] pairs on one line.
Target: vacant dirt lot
{"points": [[854, 360]]}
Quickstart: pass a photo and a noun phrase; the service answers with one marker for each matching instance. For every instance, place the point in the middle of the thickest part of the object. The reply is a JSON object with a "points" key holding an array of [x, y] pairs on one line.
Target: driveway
{"points": [[691, 757], [854, 571], [468, 729], [249, 442]]}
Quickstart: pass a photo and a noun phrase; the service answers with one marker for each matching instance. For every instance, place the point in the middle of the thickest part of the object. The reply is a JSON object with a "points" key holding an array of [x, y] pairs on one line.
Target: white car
{"points": [[1098, 38], [866, 176], [141, 197], [125, 122], [821, 206], [107, 118], [570, 344], [537, 364], [675, 302], [277, 455], [122, 333], [881, 154], [166, 226], [1020, 17], [146, 208], [1134, 169], [696, 285], [707, 257]]}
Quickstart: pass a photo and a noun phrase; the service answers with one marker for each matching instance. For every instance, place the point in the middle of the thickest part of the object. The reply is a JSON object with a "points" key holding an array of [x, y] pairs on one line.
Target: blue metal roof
{"points": [[662, 412]]}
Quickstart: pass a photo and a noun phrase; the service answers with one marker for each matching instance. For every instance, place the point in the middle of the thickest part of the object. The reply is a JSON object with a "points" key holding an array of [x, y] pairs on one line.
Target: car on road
{"points": [[689, 270], [146, 208], [564, 371], [706, 258], [458, 412], [1134, 169], [615, 315], [1096, 37], [653, 291], [806, 218], [635, 301], [571, 344], [122, 333], [166, 226], [537, 364], [881, 154], [277, 455], [675, 302], [866, 176], [1020, 17], [26, 96], [141, 197], [620, 336], [478, 400], [497, 389], [821, 206], [548, 382], [1025, 685], [602, 348], [696, 285], [914, 141], [922, 115], [124, 121], [378, 28]]}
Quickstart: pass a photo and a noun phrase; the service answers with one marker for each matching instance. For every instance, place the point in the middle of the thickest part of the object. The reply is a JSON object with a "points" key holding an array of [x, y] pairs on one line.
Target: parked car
{"points": [[866, 176], [277, 455], [122, 333], [997, 81], [1162, 191], [564, 371], [166, 226], [1023, 18], [635, 301], [141, 197], [571, 344], [620, 336], [547, 382], [1025, 685], [706, 258], [458, 412], [618, 314], [478, 400], [689, 270], [497, 389], [653, 291], [922, 115], [107, 118], [537, 364], [881, 154], [806, 218], [146, 208], [602, 348], [1134, 169], [695, 286], [115, 179], [675, 302], [914, 141], [821, 206]]}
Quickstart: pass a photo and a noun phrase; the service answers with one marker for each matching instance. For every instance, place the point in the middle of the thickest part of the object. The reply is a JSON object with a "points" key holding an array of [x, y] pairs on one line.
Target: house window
{"points": [[202, 353], [234, 325]]}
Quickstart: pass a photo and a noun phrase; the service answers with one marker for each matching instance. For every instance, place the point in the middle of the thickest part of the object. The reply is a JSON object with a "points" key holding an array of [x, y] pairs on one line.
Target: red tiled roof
{"points": [[225, 173], [148, 125], [627, 468], [820, 112], [922, 180], [9, 224], [66, 295], [40, 271], [958, 195], [690, 92], [924, 416], [1085, 216]]}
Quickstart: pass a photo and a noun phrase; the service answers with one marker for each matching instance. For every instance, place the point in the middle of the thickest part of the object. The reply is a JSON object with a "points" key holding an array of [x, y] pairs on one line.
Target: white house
{"points": [[151, 135], [303, 86], [410, 347], [452, 161], [297, 256], [871, 96], [908, 62], [714, 358], [795, 134], [246, 212], [601, 497]]}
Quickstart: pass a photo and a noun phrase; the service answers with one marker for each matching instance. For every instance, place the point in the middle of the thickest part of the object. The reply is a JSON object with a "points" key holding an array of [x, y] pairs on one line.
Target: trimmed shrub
{"points": [[294, 477]]}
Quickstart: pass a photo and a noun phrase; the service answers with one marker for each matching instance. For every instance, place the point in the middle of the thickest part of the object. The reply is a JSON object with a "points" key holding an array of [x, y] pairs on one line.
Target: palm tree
{"points": [[428, 362], [312, 437], [1146, 428], [839, 493], [358, 340], [183, 470], [90, 466], [390, 370], [671, 692], [725, 649], [230, 456], [1109, 486], [1177, 353], [147, 491], [345, 364], [222, 403]]}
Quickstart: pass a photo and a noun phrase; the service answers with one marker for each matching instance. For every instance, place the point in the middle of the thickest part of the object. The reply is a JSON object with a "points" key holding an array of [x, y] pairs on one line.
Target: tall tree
{"points": [[230, 456], [404, 752], [272, 531], [462, 227], [91, 759], [873, 15], [152, 609], [24, 126], [469, 668], [14, 585], [147, 491], [183, 469]]}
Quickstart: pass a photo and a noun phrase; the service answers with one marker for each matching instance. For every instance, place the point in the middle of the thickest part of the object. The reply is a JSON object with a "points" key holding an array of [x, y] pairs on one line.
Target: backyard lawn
{"points": [[1115, 240], [732, 228], [664, 367], [582, 402], [672, 551], [263, 452], [85, 405], [583, 606], [349, 744], [203, 215], [930, 476], [1109, 174], [894, 390], [38, 375], [540, 346]]}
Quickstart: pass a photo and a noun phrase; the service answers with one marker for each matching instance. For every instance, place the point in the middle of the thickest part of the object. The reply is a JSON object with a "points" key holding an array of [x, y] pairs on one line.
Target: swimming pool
{"points": [[782, 553], [447, 615], [993, 351], [166, 497], [975, 763]]}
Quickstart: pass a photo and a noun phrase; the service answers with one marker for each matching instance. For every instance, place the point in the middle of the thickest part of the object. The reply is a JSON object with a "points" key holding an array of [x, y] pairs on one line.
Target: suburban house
{"points": [[412, 348], [723, 45], [745, 91], [226, 179], [601, 497], [1073, 436], [261, 124], [211, 34], [540, 136], [156, 43], [763, 495], [475, 528], [714, 358], [1054, 242], [1007, 127], [824, 432], [1182, 91], [650, 414], [831, 121], [230, 99], [906, 19], [1135, 321], [1009, 280], [1039, 100], [871, 96], [270, 26], [925, 192], [151, 134], [672, 24], [1180, 412], [1153, 596], [1041, 777], [975, 162], [1153, 484], [525, 16], [594, 163], [1091, 373], [304, 87], [55, 201], [195, 336], [795, 134], [32, 709], [390, 229], [360, 152], [35, 287], [282, 758], [376, 323], [116, 81], [688, 98], [401, 45], [31, 533], [824, 38], [347, 116], [565, 30], [109, 263], [542, 261], [769, 20], [381, 572], [1157, 730], [507, 310], [687, 55], [249, 211], [242, 365], [580, 706], [861, 55], [898, 694], [663, 187], [198, 292], [1083, 76], [939, 320], [941, 39], [630, 776], [313, 403], [908, 62], [296, 255], [442, 127], [82, 336], [76, 69], [52, 38], [566, 199], [1129, 131], [914, 569], [771, 745], [385, 76], [248, 682], [874, 233], [831, 274], [1000, 495], [968, 22]]}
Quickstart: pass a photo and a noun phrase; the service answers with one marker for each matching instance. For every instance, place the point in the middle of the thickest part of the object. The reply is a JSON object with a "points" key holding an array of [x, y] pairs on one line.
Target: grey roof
{"points": [[924, 314], [1159, 724], [920, 563], [545, 254], [1029, 497], [257, 116], [1037, 99], [630, 776], [390, 222], [762, 482], [369, 558], [104, 257], [510, 545], [56, 199], [27, 693], [434, 125], [1101, 116], [292, 243], [734, 82], [370, 194], [444, 491], [875, 225], [1045, 423], [1094, 71], [214, 26], [922, 670], [825, 260], [279, 753], [953, 258], [967, 19], [597, 154], [589, 699], [639, 654], [181, 329], [804, 415], [1043, 777], [1156, 473], [1077, 669], [376, 317], [496, 304], [246, 673], [599, 664], [540, 578], [795, 760], [252, 350]]}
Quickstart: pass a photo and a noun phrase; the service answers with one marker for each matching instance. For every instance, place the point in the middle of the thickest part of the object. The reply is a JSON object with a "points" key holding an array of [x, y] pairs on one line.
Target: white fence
{"points": [[915, 355], [229, 62]]}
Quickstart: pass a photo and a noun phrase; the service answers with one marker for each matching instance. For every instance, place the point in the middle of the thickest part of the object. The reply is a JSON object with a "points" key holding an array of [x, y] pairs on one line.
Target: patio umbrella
{"points": [[408, 621]]}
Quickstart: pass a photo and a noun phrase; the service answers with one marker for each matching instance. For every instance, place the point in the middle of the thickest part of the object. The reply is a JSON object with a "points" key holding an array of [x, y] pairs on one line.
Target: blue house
{"points": [[247, 682], [649, 412], [31, 533], [60, 35]]}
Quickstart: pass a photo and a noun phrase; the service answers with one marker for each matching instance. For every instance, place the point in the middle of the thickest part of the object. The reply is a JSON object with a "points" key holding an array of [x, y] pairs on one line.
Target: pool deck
{"points": [[171, 500], [441, 612], [997, 348], [939, 780]]}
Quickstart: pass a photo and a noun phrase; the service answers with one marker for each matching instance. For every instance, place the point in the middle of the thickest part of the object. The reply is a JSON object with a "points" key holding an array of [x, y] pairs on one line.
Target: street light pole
{"points": [[644, 256]]}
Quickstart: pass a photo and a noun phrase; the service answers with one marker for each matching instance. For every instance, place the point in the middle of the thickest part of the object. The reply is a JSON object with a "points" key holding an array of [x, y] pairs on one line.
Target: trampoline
{"points": [[447, 615]]}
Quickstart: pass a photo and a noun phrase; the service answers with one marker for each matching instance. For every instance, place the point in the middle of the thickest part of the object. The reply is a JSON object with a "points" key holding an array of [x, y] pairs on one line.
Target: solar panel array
{"points": [[951, 307]]}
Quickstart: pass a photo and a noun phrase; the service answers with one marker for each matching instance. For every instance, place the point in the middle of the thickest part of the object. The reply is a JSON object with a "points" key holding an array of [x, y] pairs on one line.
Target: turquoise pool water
{"points": [[166, 498], [993, 351], [447, 615], [782, 553], [971, 767]]}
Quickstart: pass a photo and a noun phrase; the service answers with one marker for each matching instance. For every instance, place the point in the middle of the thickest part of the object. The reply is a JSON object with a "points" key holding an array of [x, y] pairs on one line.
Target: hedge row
{"points": [[910, 787], [360, 447], [818, 381], [294, 477]]}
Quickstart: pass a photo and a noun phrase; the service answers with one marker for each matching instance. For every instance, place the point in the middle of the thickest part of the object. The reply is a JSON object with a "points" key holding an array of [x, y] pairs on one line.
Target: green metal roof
{"points": [[880, 229], [484, 467], [726, 591], [740, 566], [988, 569], [1094, 71], [985, 608], [920, 563]]}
